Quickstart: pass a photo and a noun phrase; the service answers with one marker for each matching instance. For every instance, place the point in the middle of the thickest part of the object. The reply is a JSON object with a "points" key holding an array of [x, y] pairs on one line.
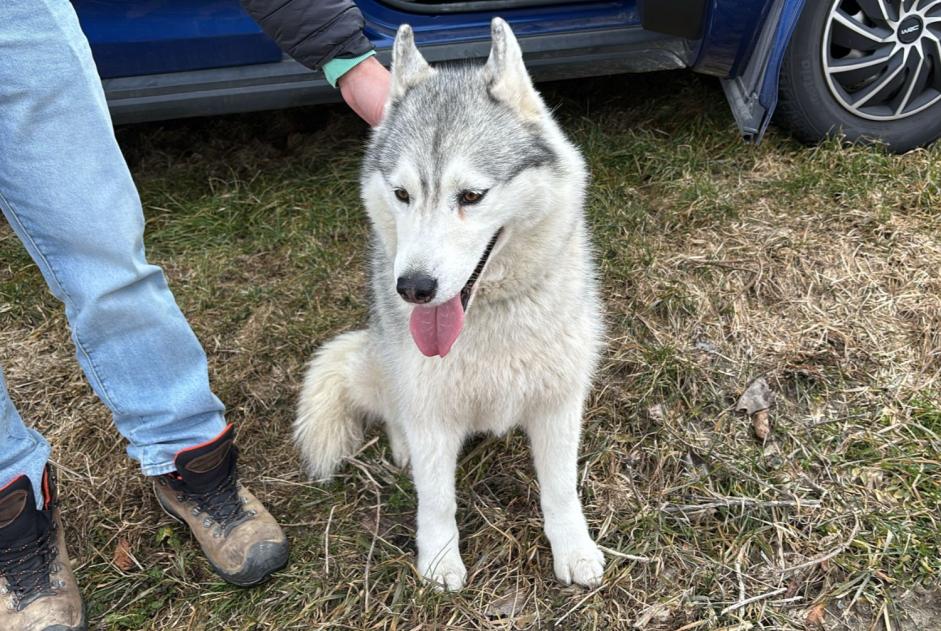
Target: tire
{"points": [[817, 94]]}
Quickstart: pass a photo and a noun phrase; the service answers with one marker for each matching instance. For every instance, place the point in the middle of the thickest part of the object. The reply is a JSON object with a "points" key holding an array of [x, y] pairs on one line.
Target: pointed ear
{"points": [[506, 75], [409, 68]]}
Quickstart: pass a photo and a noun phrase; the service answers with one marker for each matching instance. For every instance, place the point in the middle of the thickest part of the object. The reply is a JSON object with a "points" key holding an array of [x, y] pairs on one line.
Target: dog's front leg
{"points": [[434, 449], [554, 437]]}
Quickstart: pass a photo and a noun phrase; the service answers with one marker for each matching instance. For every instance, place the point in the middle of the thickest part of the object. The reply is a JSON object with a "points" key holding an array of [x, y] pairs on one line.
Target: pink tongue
{"points": [[435, 329]]}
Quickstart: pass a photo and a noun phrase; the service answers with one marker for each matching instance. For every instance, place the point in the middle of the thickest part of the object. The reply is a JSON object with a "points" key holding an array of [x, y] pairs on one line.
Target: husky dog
{"points": [[485, 312]]}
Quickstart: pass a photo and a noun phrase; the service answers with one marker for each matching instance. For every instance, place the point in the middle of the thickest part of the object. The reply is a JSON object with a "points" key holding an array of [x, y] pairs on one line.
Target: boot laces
{"points": [[222, 503], [27, 567]]}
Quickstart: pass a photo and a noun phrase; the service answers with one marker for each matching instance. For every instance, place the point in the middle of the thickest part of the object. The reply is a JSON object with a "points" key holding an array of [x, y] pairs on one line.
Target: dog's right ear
{"points": [[409, 68]]}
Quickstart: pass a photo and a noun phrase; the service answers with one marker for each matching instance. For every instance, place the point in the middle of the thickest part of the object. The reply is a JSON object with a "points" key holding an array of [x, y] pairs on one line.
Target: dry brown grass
{"points": [[817, 268]]}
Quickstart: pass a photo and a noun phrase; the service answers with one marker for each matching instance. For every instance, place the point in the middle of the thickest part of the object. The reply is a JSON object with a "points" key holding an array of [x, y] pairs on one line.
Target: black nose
{"points": [[416, 288]]}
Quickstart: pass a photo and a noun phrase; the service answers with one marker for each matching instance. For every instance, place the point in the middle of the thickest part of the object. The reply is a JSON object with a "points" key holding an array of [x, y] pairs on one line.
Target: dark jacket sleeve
{"points": [[312, 31]]}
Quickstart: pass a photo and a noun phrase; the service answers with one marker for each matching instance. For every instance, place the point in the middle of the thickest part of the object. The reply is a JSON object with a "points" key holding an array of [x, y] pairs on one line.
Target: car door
{"points": [[741, 41], [144, 37]]}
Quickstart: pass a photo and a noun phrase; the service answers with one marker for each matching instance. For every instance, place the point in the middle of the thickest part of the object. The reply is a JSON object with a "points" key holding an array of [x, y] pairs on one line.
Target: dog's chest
{"points": [[506, 364]]}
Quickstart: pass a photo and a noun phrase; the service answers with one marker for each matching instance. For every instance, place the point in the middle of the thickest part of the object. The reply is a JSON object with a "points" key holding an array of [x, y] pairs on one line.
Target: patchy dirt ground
{"points": [[818, 269]]}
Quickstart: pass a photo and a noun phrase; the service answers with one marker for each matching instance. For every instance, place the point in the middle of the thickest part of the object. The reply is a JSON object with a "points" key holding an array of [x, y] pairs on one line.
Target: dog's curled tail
{"points": [[340, 393]]}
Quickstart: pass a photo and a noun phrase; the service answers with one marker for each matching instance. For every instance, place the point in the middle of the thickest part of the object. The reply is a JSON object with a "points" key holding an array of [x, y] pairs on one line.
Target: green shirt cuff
{"points": [[336, 68]]}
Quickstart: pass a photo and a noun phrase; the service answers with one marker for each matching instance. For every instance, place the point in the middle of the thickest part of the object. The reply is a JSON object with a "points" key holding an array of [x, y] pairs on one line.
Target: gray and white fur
{"points": [[533, 327]]}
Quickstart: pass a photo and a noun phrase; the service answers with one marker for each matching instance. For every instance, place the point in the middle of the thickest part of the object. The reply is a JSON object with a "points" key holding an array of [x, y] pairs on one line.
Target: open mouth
{"points": [[435, 329], [468, 289]]}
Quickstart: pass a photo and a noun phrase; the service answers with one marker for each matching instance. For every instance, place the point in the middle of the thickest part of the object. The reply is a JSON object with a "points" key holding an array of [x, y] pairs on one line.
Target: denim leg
{"points": [[22, 449], [67, 193]]}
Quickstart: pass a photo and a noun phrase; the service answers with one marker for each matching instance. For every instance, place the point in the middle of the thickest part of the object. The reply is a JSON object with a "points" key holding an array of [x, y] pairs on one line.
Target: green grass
{"points": [[818, 268]]}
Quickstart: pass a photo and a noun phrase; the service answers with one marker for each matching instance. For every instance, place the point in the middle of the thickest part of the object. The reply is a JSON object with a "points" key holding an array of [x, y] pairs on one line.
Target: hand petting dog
{"points": [[365, 88]]}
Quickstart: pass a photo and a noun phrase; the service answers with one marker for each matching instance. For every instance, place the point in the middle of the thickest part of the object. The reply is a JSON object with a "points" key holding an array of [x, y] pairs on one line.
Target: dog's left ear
{"points": [[506, 75]]}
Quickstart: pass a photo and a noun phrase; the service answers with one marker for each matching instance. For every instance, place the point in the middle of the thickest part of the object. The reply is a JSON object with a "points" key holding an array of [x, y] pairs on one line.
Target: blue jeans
{"points": [[66, 191]]}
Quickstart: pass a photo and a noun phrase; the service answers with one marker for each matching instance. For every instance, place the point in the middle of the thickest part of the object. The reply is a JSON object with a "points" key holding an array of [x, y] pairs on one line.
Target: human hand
{"points": [[365, 88]]}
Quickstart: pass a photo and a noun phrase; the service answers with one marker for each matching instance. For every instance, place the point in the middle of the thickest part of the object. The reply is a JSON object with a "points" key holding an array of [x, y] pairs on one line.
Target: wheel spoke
{"points": [[933, 45], [867, 94], [877, 10], [913, 79], [861, 71], [854, 34], [929, 5], [861, 63]]}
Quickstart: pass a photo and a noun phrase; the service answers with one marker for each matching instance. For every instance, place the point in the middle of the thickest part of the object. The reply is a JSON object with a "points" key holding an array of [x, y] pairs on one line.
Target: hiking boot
{"points": [[242, 541], [38, 591]]}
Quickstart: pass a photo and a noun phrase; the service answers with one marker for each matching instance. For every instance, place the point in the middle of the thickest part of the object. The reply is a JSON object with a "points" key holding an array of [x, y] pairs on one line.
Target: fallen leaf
{"points": [[815, 615], [757, 396], [755, 402], [122, 558], [656, 613], [506, 606]]}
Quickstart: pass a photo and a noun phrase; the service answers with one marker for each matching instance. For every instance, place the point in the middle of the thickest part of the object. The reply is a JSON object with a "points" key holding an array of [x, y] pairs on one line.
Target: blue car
{"points": [[866, 69]]}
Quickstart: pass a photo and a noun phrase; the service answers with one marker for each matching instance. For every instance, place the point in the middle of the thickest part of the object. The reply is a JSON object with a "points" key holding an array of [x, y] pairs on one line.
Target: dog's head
{"points": [[457, 167]]}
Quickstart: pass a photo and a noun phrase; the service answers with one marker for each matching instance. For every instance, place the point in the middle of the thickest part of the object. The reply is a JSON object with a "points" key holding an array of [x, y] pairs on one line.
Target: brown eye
{"points": [[402, 195], [471, 197]]}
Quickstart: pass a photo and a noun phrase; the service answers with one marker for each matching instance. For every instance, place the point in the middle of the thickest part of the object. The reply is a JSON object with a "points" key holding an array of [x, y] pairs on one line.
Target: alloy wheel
{"points": [[882, 58]]}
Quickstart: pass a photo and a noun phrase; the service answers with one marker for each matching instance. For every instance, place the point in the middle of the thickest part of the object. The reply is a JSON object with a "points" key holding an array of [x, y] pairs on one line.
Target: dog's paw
{"points": [[581, 564], [446, 572]]}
